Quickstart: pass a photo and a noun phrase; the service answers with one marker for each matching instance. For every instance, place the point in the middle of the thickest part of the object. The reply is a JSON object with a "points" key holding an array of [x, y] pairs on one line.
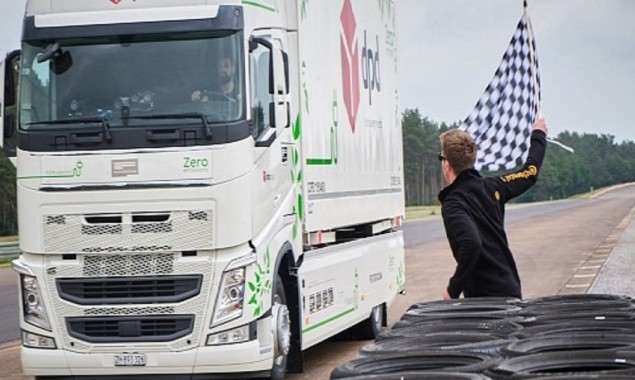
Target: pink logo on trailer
{"points": [[350, 62], [116, 2]]}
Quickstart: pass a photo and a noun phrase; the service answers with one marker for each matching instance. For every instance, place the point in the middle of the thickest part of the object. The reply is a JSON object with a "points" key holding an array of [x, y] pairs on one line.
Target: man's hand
{"points": [[446, 296], [540, 125]]}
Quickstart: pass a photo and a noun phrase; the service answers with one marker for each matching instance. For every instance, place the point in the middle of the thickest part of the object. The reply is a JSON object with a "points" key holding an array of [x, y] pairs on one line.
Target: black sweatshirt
{"points": [[473, 210]]}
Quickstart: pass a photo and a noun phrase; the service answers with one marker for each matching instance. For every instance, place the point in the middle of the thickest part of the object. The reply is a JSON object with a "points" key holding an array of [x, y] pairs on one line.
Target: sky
{"points": [[449, 50]]}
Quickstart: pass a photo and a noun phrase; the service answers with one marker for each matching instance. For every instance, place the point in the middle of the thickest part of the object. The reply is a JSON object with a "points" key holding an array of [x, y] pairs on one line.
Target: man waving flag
{"points": [[501, 121]]}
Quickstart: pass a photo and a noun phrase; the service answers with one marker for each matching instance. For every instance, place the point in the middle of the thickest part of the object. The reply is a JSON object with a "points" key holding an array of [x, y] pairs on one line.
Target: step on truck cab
{"points": [[204, 187]]}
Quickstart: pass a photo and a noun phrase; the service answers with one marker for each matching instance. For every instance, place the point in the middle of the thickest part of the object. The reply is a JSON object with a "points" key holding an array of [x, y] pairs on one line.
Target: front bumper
{"points": [[226, 361]]}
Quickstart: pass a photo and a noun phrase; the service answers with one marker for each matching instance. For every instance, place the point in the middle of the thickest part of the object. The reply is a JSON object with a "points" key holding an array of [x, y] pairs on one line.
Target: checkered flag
{"points": [[502, 120]]}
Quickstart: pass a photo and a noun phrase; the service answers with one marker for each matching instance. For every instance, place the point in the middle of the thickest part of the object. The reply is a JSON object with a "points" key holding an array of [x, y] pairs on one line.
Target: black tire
{"points": [[420, 361], [571, 298], [501, 329], [575, 327], [422, 375], [466, 302], [422, 343], [567, 342], [464, 309], [281, 326], [584, 377], [578, 307], [372, 326], [412, 318], [590, 362], [489, 347], [579, 316]]}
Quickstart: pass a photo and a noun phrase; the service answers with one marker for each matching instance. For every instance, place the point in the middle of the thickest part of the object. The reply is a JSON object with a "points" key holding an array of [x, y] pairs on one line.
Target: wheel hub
{"points": [[281, 330]]}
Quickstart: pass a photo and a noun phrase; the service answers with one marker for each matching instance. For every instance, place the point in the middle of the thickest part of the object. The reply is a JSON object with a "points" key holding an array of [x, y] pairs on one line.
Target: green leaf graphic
{"points": [[300, 207], [296, 127]]}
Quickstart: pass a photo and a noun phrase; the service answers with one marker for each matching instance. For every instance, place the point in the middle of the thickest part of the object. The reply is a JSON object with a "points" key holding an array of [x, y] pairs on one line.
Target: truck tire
{"points": [[478, 310], [501, 329], [553, 343], [465, 302], [562, 299], [413, 319], [600, 363], [423, 343], [574, 328], [370, 327], [584, 377], [578, 307], [421, 375], [578, 317], [281, 328], [418, 361]]}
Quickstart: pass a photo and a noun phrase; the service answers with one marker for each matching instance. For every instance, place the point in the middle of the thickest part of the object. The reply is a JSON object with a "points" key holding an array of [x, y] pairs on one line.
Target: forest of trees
{"points": [[8, 206], [598, 161]]}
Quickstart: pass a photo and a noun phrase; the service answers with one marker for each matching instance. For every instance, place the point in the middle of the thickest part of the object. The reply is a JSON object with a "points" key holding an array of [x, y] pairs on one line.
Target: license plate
{"points": [[135, 359]]}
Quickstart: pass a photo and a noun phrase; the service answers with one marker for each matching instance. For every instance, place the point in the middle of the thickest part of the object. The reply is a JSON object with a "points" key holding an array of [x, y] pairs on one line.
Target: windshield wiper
{"points": [[190, 115], [82, 120]]}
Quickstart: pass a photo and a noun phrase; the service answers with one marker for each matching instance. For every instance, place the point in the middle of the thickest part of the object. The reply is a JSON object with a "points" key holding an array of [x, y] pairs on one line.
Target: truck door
{"points": [[269, 93], [269, 87]]}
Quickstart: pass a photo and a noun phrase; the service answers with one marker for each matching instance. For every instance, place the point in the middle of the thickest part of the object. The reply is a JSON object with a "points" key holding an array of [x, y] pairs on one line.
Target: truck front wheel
{"points": [[281, 328]]}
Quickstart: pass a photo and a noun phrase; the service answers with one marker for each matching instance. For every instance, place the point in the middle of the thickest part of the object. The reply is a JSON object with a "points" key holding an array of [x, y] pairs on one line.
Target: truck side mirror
{"points": [[8, 104]]}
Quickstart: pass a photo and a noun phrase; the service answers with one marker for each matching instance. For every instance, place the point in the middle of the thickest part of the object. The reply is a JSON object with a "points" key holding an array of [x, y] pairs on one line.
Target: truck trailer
{"points": [[206, 188]]}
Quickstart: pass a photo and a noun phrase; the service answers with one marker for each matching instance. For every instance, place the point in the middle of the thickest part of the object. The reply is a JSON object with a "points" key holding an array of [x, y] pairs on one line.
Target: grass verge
{"points": [[418, 212], [6, 239]]}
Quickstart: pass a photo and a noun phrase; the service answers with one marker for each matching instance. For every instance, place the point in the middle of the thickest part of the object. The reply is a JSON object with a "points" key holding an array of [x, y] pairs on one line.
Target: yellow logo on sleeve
{"points": [[531, 171]]}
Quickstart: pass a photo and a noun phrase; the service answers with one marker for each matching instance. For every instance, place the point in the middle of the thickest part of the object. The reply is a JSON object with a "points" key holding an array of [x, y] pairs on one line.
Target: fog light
{"points": [[37, 341], [237, 335]]}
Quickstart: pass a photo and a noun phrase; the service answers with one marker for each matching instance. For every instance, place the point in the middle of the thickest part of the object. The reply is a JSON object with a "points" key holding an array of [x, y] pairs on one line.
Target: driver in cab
{"points": [[226, 83]]}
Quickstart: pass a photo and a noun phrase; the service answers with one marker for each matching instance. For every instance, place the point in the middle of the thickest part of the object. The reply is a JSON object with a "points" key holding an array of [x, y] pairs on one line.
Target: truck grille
{"points": [[130, 329], [126, 290], [123, 232], [128, 265]]}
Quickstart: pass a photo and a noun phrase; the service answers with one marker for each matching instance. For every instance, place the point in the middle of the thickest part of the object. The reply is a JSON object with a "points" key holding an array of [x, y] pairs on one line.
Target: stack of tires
{"points": [[558, 337]]}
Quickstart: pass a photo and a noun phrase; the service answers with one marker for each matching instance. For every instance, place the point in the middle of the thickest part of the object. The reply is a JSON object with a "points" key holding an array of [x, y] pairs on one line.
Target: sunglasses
{"points": [[441, 157]]}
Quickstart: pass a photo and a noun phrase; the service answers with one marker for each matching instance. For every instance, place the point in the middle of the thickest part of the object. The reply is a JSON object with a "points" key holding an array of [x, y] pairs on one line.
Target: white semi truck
{"points": [[170, 226]]}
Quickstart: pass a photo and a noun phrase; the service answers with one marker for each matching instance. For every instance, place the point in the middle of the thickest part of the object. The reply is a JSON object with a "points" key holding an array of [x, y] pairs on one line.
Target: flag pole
{"points": [[532, 58], [534, 70]]}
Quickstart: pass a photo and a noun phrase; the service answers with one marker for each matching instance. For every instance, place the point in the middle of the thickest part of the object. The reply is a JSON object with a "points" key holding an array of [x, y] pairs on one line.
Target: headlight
{"points": [[229, 303], [32, 306]]}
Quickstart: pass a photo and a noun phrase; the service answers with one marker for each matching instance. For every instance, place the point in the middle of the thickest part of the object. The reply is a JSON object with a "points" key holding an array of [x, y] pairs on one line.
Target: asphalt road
{"points": [[9, 328], [551, 241]]}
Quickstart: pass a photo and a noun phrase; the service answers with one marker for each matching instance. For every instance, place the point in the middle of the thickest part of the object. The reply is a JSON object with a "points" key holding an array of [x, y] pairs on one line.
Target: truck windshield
{"points": [[132, 80]]}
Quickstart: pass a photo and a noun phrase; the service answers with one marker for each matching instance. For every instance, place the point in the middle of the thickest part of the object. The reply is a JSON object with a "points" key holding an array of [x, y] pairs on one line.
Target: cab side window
{"points": [[260, 97]]}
